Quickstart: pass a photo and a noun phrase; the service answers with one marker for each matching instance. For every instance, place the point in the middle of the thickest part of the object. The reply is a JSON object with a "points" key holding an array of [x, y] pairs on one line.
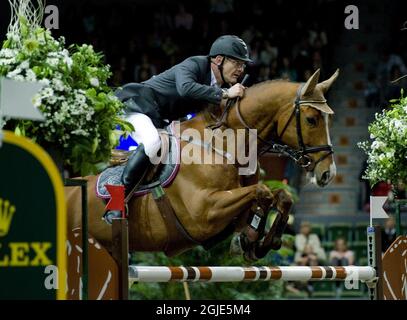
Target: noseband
{"points": [[301, 155]]}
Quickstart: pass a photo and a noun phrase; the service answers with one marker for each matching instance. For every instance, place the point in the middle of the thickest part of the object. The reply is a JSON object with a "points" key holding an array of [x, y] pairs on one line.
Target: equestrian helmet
{"points": [[230, 46]]}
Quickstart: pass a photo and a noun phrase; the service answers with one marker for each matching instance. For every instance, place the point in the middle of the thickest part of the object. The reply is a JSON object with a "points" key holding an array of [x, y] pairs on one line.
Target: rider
{"points": [[196, 79]]}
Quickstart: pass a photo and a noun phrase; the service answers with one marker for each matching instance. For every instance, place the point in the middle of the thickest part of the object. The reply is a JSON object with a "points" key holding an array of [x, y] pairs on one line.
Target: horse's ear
{"points": [[310, 85], [327, 83]]}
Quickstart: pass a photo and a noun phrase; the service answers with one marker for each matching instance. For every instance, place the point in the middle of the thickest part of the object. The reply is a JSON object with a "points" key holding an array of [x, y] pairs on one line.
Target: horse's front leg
{"points": [[223, 206], [272, 241], [253, 224]]}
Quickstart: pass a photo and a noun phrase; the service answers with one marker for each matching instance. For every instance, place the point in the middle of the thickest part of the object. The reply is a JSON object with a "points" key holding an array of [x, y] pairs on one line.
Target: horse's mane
{"points": [[211, 110], [267, 82]]}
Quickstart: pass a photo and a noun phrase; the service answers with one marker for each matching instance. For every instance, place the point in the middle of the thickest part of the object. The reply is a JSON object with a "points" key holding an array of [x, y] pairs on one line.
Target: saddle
{"points": [[163, 174]]}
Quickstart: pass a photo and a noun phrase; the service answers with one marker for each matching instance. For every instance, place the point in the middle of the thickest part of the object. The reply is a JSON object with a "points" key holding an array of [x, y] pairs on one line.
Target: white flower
{"points": [[19, 78], [8, 53], [14, 73], [13, 36], [80, 132], [37, 100], [378, 144], [45, 82], [52, 100], [68, 61], [94, 82], [30, 75], [25, 64], [47, 92], [7, 61], [53, 62], [58, 84], [397, 124]]}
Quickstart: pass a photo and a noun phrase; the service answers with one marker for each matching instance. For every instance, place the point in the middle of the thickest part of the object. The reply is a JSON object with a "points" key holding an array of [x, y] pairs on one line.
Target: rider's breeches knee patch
{"points": [[145, 133]]}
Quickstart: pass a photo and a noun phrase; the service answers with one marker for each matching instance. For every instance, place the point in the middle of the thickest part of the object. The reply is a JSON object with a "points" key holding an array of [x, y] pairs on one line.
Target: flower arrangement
{"points": [[387, 152], [81, 112]]}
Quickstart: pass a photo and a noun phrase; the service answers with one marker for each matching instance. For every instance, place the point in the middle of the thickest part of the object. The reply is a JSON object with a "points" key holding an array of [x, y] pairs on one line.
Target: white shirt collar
{"points": [[213, 79]]}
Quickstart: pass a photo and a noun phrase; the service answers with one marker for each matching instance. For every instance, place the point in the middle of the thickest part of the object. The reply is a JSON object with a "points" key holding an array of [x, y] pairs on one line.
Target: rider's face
{"points": [[233, 69]]}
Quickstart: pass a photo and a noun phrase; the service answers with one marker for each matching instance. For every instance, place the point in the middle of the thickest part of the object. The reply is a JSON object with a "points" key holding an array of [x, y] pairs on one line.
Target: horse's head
{"points": [[304, 128]]}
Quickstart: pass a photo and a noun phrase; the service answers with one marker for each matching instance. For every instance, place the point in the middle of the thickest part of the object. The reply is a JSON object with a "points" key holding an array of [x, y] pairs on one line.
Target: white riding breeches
{"points": [[145, 133]]}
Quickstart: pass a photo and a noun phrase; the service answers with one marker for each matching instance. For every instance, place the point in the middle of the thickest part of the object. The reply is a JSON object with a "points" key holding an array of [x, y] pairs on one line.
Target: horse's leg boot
{"points": [[134, 172]]}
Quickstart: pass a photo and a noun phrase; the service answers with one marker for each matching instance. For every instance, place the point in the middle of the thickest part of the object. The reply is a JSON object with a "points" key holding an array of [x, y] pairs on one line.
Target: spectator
{"points": [[162, 20], [287, 72], [341, 255], [268, 53], [144, 67], [309, 253], [183, 19], [308, 246], [264, 73], [388, 233]]}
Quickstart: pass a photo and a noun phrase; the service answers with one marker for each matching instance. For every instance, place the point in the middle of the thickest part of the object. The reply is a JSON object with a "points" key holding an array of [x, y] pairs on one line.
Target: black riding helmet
{"points": [[229, 46]]}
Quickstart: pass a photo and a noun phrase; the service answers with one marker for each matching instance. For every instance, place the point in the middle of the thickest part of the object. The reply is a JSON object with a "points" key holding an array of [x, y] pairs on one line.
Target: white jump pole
{"points": [[237, 274]]}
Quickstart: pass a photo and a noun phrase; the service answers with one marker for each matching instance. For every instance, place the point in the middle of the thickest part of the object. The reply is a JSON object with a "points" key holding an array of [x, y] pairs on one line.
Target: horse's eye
{"points": [[312, 121]]}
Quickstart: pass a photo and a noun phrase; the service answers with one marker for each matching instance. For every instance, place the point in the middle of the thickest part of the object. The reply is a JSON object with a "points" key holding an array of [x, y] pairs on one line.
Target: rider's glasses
{"points": [[237, 64]]}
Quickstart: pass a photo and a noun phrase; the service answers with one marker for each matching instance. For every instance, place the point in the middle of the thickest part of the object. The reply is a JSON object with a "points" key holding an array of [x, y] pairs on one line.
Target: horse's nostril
{"points": [[325, 176]]}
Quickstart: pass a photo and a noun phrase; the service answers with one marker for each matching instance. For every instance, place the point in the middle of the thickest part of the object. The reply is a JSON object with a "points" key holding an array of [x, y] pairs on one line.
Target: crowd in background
{"points": [[141, 39]]}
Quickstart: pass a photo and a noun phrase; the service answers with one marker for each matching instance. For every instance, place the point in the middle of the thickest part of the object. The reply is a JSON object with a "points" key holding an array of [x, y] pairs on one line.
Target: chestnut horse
{"points": [[290, 118]]}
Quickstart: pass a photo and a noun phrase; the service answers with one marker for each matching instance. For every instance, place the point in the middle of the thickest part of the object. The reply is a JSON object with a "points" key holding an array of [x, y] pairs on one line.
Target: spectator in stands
{"points": [[308, 247], [264, 73], [287, 72], [341, 255], [309, 252], [183, 19], [144, 66], [268, 53], [193, 84], [388, 233]]}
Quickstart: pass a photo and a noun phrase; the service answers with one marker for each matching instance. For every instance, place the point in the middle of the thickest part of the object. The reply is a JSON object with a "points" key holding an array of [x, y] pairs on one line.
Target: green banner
{"points": [[32, 222]]}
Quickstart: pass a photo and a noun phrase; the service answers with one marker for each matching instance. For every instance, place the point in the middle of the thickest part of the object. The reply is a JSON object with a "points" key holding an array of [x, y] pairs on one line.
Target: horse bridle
{"points": [[300, 156]]}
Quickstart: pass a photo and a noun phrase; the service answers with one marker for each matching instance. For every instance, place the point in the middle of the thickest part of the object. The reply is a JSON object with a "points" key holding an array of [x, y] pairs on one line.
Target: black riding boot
{"points": [[136, 168]]}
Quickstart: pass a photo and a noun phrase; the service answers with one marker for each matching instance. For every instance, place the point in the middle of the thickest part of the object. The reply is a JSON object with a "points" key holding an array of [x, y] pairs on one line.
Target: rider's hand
{"points": [[236, 90]]}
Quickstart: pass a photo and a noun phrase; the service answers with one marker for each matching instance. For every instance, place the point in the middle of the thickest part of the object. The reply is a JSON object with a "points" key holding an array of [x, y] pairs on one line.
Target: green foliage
{"points": [[277, 184], [81, 112]]}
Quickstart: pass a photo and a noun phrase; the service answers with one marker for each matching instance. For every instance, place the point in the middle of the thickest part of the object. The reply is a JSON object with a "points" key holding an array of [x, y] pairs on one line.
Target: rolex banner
{"points": [[32, 222]]}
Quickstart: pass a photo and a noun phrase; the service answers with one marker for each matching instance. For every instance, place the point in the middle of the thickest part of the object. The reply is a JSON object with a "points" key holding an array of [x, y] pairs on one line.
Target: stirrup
{"points": [[110, 215]]}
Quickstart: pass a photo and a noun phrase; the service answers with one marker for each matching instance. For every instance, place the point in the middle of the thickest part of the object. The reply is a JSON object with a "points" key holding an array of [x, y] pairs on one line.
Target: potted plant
{"points": [[81, 112]]}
